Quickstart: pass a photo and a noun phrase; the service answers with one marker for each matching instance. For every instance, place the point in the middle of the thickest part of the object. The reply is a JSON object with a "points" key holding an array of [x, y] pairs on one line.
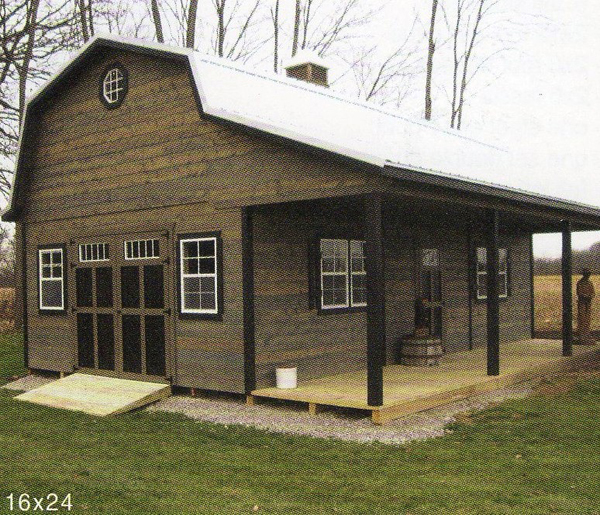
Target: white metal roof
{"points": [[317, 116]]}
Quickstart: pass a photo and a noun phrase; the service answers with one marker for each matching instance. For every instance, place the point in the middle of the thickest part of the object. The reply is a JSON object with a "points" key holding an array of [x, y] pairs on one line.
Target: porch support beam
{"points": [[375, 299], [493, 293], [567, 288], [248, 299]]}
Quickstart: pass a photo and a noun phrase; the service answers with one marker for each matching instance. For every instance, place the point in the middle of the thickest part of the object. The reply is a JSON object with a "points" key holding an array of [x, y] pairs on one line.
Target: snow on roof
{"points": [[317, 116], [306, 56]]}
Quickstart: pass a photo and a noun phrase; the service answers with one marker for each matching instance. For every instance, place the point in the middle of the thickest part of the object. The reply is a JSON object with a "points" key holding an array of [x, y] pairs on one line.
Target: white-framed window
{"points": [[199, 271], [141, 249], [113, 85], [358, 273], [482, 273], [51, 279], [343, 274], [93, 252]]}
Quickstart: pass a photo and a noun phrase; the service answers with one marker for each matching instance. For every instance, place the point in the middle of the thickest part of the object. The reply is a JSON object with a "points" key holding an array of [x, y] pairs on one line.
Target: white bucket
{"points": [[286, 378]]}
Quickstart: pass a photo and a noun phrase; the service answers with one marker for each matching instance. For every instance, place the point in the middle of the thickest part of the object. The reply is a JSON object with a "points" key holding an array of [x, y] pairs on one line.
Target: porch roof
{"points": [[315, 116]]}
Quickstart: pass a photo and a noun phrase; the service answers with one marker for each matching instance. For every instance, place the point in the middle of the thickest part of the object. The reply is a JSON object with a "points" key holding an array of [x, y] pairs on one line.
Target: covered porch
{"points": [[408, 390]]}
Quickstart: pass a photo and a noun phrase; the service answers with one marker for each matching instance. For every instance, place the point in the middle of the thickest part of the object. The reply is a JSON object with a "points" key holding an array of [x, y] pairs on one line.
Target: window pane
{"points": [[207, 266], [52, 294], [57, 257], [481, 259], [46, 271], [190, 266], [206, 248], [190, 249], [57, 272], [503, 257], [208, 301], [207, 284], [191, 284], [191, 301], [328, 264], [482, 285], [45, 258]]}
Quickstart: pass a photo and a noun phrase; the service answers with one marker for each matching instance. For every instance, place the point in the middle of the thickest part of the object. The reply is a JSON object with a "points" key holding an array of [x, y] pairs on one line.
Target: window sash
{"points": [[52, 267], [481, 264], [198, 275], [349, 274], [339, 273], [90, 252], [141, 249]]}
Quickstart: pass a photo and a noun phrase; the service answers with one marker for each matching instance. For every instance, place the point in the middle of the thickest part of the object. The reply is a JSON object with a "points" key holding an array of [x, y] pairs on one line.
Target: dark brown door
{"points": [[122, 305], [431, 290]]}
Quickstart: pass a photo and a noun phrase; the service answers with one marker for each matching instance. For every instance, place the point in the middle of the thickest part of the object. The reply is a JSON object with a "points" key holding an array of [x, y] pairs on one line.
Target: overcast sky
{"points": [[545, 106]]}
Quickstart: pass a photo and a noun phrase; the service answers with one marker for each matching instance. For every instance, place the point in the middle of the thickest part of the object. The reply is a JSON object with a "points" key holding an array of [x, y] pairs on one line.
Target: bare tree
{"points": [[236, 36], [467, 32], [322, 28], [83, 19], [430, 53], [275, 19], [298, 11], [157, 21], [387, 78], [31, 25], [191, 24], [31, 34]]}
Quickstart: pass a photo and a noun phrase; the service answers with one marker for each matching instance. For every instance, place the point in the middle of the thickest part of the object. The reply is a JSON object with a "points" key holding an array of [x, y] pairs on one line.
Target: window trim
{"points": [[49, 310], [506, 273], [105, 71], [125, 242], [107, 252], [349, 307], [217, 313]]}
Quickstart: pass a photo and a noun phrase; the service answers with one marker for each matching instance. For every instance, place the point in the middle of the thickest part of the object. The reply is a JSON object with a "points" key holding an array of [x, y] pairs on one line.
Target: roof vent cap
{"points": [[308, 66]]}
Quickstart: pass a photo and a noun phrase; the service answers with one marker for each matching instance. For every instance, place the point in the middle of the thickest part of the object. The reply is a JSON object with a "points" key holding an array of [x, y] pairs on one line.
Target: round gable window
{"points": [[113, 85]]}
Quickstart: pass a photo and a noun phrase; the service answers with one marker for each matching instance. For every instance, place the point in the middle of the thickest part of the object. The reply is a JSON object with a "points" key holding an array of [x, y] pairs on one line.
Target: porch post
{"points": [[248, 299], [375, 299], [493, 290], [567, 288]]}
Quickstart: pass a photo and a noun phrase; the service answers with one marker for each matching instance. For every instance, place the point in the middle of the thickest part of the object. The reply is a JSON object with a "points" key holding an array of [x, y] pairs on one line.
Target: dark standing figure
{"points": [[585, 295]]}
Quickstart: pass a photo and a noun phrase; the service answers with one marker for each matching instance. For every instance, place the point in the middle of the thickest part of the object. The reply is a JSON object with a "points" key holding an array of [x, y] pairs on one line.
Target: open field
{"points": [[537, 455], [548, 303]]}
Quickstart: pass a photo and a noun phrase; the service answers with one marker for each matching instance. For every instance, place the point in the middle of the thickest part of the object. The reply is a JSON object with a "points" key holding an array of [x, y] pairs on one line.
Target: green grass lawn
{"points": [[538, 455]]}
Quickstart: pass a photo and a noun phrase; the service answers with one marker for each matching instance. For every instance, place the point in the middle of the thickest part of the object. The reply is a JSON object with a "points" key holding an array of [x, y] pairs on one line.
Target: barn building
{"points": [[180, 218]]}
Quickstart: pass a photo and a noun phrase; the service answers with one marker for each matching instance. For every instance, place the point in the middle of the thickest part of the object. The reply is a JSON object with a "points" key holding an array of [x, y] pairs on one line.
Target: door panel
{"points": [[104, 287], [154, 287], [130, 287], [83, 279], [155, 344], [85, 339], [132, 344], [106, 341]]}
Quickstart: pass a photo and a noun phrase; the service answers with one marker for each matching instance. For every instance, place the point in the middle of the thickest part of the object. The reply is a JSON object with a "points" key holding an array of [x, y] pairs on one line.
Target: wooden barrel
{"points": [[420, 352]]}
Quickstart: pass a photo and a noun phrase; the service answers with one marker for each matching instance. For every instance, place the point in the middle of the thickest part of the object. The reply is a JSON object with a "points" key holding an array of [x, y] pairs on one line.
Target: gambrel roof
{"points": [[315, 116]]}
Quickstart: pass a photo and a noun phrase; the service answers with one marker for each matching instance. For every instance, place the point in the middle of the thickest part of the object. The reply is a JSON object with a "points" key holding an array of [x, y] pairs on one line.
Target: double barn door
{"points": [[121, 304]]}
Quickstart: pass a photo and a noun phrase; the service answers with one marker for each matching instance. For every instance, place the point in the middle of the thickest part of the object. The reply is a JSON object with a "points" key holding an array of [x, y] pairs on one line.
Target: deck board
{"points": [[411, 389]]}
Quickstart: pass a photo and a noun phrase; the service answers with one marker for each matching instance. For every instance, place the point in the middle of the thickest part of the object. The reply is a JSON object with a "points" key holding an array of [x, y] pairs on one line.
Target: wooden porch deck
{"points": [[408, 390]]}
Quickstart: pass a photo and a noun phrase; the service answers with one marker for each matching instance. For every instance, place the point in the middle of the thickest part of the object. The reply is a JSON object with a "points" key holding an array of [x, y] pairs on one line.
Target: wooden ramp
{"points": [[97, 395]]}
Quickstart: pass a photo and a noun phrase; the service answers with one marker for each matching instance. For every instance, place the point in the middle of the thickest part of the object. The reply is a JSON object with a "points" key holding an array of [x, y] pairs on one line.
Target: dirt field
{"points": [[548, 310]]}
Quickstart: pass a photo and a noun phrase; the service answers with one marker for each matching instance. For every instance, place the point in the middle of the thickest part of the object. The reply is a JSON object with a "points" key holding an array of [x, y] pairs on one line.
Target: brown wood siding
{"points": [[157, 150], [208, 354], [288, 333]]}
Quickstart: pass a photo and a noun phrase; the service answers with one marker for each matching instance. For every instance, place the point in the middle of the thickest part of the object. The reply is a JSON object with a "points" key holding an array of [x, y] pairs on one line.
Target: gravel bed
{"points": [[30, 382], [292, 419]]}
